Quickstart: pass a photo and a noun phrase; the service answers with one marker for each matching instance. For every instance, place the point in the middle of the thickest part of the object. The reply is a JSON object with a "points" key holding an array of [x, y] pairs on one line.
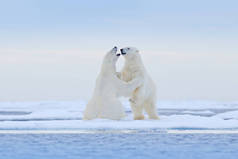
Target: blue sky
{"points": [[25, 24], [71, 36]]}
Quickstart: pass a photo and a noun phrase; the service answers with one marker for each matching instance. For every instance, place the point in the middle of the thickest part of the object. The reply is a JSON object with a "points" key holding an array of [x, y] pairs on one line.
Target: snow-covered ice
{"points": [[68, 115]]}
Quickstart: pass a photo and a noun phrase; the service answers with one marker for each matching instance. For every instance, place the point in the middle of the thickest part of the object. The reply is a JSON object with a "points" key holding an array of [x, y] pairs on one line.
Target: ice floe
{"points": [[68, 115]]}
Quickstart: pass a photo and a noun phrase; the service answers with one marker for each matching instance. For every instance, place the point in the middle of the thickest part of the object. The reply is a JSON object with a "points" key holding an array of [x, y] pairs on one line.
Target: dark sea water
{"points": [[141, 145]]}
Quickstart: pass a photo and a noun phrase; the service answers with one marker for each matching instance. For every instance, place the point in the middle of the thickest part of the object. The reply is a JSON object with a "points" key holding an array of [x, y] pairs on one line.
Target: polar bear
{"points": [[104, 102], [143, 97]]}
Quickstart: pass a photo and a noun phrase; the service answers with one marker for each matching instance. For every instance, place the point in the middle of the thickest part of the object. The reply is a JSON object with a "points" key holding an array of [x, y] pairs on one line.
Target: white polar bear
{"points": [[143, 97], [104, 103]]}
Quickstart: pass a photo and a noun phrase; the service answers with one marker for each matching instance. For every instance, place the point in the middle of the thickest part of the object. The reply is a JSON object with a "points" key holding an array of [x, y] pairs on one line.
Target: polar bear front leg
{"points": [[126, 88]]}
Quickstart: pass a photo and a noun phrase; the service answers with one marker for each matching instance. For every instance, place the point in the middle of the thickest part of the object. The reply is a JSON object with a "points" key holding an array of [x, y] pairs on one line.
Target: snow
{"points": [[199, 112], [190, 104], [68, 115], [228, 115]]}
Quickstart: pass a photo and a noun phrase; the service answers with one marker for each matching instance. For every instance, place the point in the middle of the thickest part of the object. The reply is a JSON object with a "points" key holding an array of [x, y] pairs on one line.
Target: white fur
{"points": [[143, 97], [104, 102]]}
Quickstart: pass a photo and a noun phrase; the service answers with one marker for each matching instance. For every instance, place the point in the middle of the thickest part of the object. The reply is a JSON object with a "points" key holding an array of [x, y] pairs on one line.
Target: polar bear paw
{"points": [[139, 117], [154, 118]]}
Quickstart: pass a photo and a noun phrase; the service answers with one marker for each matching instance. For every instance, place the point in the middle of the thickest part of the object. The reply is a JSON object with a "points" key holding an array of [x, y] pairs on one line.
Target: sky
{"points": [[52, 50]]}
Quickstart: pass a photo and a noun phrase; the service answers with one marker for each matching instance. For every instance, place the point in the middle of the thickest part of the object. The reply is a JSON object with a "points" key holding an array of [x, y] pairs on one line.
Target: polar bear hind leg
{"points": [[112, 109], [91, 110], [150, 109], [137, 111], [136, 102]]}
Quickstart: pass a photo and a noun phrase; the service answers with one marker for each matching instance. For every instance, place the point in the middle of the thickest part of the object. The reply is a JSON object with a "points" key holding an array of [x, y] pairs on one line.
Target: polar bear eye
{"points": [[128, 48]]}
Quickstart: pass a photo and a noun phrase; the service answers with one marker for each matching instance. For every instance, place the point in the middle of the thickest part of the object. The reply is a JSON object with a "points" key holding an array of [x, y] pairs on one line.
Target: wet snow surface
{"points": [[68, 115]]}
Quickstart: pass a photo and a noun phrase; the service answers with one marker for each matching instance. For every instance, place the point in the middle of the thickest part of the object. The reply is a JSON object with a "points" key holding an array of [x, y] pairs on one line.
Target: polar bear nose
{"points": [[118, 54], [114, 49], [122, 52]]}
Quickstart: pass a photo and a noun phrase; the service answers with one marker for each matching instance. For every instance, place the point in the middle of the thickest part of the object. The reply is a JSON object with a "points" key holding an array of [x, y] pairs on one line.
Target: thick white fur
{"points": [[143, 97], [104, 102]]}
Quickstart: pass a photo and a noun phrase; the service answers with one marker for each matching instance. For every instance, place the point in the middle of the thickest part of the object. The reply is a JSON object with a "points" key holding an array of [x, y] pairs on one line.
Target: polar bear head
{"points": [[112, 56], [130, 53]]}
